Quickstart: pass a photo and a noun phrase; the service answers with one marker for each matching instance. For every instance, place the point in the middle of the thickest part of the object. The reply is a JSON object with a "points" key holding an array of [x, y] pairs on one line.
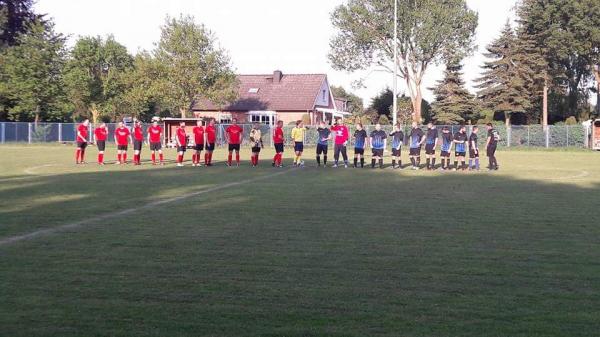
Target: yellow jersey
{"points": [[298, 134]]}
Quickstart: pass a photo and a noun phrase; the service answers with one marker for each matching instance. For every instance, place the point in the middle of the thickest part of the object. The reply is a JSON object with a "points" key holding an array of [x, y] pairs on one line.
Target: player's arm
{"points": [[489, 139], [423, 139], [385, 144]]}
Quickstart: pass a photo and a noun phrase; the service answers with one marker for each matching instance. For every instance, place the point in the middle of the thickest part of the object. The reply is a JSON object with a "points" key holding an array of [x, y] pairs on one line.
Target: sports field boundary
{"points": [[49, 231]]}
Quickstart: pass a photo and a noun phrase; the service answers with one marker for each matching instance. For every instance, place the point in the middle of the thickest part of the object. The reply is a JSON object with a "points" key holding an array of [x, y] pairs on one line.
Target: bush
{"points": [[384, 120], [571, 121]]}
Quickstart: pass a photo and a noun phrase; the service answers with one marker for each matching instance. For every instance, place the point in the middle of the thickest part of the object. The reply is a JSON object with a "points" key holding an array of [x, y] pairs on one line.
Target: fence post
{"points": [[547, 134], [508, 135], [60, 132], [3, 132], [567, 136], [528, 127], [29, 133]]}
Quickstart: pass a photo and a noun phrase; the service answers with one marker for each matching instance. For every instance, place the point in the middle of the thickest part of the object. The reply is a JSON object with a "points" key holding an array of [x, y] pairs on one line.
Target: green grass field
{"points": [[166, 251]]}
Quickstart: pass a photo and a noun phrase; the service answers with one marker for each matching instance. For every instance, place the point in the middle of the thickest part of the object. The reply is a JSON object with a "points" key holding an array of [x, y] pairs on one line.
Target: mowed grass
{"points": [[299, 252]]}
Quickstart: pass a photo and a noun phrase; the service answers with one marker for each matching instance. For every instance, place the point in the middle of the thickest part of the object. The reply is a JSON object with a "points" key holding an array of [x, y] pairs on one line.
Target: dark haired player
{"points": [[460, 147], [234, 139], [473, 149], [199, 137], [431, 141], [416, 138], [446, 148], [122, 138], [298, 134], [397, 142], [82, 141], [211, 139], [256, 143], [101, 134], [341, 140], [378, 141], [138, 141], [360, 142], [155, 141], [492, 142], [278, 140], [324, 135], [181, 141]]}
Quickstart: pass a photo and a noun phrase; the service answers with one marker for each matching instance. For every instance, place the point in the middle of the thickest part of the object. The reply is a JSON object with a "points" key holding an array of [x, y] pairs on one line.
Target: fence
{"points": [[515, 136]]}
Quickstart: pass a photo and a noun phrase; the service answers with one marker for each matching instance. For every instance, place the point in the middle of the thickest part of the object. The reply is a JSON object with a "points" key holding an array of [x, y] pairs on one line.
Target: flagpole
{"points": [[395, 104]]}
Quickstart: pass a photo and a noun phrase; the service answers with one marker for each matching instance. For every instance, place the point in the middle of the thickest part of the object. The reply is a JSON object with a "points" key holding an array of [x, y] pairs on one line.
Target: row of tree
{"points": [[41, 79]]}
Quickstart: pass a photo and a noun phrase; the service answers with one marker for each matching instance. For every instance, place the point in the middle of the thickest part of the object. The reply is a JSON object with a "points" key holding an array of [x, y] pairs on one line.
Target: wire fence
{"points": [[555, 136]]}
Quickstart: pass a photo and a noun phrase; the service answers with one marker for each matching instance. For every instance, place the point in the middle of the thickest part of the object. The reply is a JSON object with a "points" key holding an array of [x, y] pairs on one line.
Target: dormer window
{"points": [[253, 91]]}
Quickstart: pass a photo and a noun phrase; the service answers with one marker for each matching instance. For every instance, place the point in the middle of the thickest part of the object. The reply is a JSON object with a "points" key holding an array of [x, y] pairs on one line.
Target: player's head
{"points": [[359, 126], [299, 123], [279, 123], [182, 124], [463, 128], [489, 126], [255, 126], [377, 126], [322, 124], [138, 122], [234, 121], [339, 121], [199, 122], [430, 125], [475, 129], [414, 125], [397, 127], [121, 124], [445, 129], [155, 120], [211, 121], [86, 122], [102, 125]]}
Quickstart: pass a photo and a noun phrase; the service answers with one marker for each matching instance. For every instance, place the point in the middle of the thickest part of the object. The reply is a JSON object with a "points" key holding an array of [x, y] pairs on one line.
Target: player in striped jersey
{"points": [[431, 141], [460, 147], [416, 139], [378, 144], [360, 141], [474, 149], [446, 147], [397, 142]]}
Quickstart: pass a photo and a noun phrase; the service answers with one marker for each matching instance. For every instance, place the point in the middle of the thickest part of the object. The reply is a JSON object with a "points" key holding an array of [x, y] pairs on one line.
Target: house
{"points": [[270, 98]]}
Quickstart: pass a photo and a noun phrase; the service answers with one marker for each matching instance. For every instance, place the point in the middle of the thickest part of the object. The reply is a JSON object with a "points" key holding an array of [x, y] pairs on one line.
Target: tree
{"points": [[427, 33], [502, 86], [382, 105], [16, 17], [453, 104], [192, 65], [141, 97], [94, 76], [30, 74], [354, 103]]}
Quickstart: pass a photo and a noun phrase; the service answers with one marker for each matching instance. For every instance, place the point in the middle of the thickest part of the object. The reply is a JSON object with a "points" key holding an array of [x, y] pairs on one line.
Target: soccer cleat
{"points": [[273, 164], [334, 165], [179, 165]]}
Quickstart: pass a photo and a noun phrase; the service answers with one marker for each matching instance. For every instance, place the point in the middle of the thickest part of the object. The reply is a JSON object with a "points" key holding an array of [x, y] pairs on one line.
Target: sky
{"points": [[259, 35]]}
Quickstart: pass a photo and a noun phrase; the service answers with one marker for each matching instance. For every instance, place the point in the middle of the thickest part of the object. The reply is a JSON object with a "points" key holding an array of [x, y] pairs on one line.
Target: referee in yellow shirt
{"points": [[298, 136]]}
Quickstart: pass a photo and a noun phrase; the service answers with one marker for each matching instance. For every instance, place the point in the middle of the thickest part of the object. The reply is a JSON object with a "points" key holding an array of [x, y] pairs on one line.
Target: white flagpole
{"points": [[395, 104]]}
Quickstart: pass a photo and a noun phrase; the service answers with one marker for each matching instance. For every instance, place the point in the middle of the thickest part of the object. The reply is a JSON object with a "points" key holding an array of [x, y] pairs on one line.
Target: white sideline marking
{"points": [[48, 231], [30, 170]]}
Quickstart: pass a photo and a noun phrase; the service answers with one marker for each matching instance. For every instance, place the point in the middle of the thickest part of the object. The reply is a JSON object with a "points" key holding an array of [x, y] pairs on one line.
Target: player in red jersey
{"points": [[234, 138], [122, 138], [82, 141], [199, 140], [181, 141], [101, 133], [138, 141], [211, 137], [155, 140], [278, 140]]}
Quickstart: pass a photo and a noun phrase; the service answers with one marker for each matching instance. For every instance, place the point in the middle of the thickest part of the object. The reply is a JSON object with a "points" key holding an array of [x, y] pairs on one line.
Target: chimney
{"points": [[277, 75]]}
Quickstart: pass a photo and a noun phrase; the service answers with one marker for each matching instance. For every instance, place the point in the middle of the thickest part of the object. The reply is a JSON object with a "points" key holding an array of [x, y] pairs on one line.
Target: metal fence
{"points": [[516, 136]]}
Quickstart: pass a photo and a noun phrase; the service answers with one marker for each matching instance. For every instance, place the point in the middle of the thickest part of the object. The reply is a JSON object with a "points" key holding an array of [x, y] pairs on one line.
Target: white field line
{"points": [[74, 225]]}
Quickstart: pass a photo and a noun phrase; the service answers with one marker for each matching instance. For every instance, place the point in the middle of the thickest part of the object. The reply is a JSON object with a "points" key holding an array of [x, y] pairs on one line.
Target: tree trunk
{"points": [[36, 117], [417, 106], [596, 71], [182, 111], [545, 105], [95, 113]]}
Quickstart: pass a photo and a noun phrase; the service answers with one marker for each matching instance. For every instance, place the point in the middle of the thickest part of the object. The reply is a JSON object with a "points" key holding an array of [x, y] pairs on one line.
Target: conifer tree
{"points": [[453, 104]]}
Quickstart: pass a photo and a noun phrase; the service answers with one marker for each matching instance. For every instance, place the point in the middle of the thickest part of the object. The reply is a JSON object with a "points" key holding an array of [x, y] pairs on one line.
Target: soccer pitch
{"points": [[167, 251]]}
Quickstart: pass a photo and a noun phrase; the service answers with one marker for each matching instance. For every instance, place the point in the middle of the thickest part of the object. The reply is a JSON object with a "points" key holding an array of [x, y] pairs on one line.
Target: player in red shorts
{"points": [[181, 141], [82, 141], [234, 138], [122, 138], [199, 138], [211, 138], [100, 134], [138, 141], [155, 140], [278, 140]]}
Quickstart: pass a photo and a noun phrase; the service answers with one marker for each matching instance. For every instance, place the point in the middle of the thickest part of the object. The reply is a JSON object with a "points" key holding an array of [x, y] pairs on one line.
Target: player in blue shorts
{"points": [[397, 142], [431, 141], [360, 141], [446, 147], [378, 141], [416, 139], [460, 148]]}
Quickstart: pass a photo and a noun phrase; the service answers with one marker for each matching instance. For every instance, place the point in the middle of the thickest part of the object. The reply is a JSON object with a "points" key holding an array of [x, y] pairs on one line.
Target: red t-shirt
{"points": [[234, 132], [138, 133], [181, 136], [198, 134], [122, 135], [83, 130], [101, 134], [155, 132], [341, 134], [211, 134], [278, 136]]}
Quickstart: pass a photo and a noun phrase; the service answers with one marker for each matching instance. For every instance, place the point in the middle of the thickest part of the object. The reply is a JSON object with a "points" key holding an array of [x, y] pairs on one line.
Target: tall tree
{"points": [[427, 33], [16, 17], [142, 95], [94, 75], [502, 86], [382, 105], [30, 73], [192, 65], [354, 103], [453, 104]]}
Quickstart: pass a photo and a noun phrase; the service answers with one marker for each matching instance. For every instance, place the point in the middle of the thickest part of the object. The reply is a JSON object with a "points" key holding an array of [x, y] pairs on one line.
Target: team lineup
{"points": [[204, 137]]}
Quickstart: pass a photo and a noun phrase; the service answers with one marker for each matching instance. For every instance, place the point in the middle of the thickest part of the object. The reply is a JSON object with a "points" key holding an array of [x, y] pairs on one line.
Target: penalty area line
{"points": [[78, 224]]}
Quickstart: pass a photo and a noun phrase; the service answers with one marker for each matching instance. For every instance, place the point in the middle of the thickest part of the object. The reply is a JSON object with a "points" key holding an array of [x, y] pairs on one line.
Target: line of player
{"points": [[204, 138]]}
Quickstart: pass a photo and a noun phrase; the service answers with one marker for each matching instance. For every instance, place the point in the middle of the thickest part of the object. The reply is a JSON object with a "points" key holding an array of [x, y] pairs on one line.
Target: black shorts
{"points": [[430, 149], [234, 147], [491, 150], [415, 151], [396, 152], [278, 147], [255, 149], [199, 147], [181, 148], [460, 154], [298, 146], [210, 147], [473, 153], [445, 154], [321, 148], [122, 147], [81, 145], [101, 144], [358, 150], [137, 145], [155, 146], [377, 152]]}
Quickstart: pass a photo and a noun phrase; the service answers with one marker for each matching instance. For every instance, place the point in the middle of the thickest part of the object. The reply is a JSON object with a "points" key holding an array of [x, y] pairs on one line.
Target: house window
{"points": [[253, 91], [260, 119], [324, 95]]}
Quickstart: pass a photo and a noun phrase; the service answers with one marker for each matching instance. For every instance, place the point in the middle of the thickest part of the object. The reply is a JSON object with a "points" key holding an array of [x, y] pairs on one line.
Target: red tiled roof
{"points": [[296, 92]]}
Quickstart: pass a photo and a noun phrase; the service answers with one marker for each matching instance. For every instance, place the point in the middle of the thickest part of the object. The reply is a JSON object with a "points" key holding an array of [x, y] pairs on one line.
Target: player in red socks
{"points": [[256, 143], [234, 138], [122, 138], [138, 141], [82, 141], [278, 140], [155, 140], [181, 140], [100, 134], [199, 137], [211, 138]]}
